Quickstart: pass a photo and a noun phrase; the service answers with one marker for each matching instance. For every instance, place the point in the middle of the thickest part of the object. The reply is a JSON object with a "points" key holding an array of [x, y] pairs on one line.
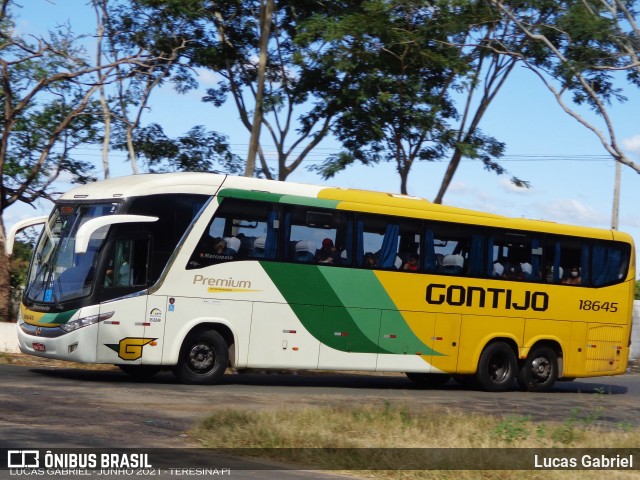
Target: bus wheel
{"points": [[203, 358], [140, 372], [539, 371], [428, 380], [497, 367]]}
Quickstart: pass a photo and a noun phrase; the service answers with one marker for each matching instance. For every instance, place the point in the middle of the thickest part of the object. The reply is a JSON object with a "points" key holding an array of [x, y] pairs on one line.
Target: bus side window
{"points": [[376, 242], [515, 256], [610, 262], [315, 235], [454, 249], [565, 255], [240, 230], [128, 264]]}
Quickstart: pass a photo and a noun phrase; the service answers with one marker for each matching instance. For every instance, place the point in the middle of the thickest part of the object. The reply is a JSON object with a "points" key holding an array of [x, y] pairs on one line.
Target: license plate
{"points": [[39, 347]]}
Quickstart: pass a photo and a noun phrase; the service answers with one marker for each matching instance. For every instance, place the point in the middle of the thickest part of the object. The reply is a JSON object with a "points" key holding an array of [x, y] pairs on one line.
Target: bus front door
{"points": [[130, 330]]}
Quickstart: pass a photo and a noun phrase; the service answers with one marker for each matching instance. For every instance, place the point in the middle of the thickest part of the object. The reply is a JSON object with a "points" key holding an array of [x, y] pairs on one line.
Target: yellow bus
{"points": [[201, 272]]}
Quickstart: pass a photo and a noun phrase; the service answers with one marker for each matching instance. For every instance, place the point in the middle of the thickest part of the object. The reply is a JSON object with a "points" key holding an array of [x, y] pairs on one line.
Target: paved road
{"points": [[70, 408]]}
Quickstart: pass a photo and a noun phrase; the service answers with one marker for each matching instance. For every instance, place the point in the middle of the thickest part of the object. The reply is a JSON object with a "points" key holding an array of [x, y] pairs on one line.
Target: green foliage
{"points": [[196, 151], [224, 37], [395, 69], [513, 429], [580, 41], [42, 99], [637, 295], [20, 263]]}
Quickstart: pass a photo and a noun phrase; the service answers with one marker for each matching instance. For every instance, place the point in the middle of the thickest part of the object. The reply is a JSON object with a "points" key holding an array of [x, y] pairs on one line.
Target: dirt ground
{"points": [[28, 360]]}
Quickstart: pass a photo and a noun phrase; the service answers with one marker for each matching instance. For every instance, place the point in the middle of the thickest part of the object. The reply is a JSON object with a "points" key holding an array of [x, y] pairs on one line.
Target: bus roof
{"points": [[147, 184], [307, 194]]}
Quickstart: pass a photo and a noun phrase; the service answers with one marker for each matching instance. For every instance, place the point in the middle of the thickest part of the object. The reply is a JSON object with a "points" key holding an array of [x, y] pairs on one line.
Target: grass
{"points": [[391, 426]]}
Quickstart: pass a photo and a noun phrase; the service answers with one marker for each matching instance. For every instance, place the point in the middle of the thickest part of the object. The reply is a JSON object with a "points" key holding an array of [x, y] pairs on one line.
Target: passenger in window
{"points": [[328, 253], [498, 269], [549, 274], [369, 260], [412, 263], [574, 277], [527, 271], [305, 251], [513, 271], [219, 246], [233, 245], [452, 264], [202, 253], [257, 250], [122, 279]]}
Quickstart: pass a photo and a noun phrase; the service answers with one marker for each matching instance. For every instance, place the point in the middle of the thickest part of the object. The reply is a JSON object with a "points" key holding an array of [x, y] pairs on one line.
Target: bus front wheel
{"points": [[203, 358], [497, 367], [539, 371]]}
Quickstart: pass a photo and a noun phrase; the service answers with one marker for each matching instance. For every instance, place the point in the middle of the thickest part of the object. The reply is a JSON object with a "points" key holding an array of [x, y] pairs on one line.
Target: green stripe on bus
{"points": [[58, 318], [339, 328], [363, 284], [277, 198], [355, 305]]}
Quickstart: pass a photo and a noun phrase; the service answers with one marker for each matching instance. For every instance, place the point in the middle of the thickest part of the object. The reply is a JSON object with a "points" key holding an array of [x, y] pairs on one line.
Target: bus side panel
{"points": [[349, 338], [406, 353], [575, 357], [477, 331], [606, 352], [278, 338], [446, 341], [154, 327]]}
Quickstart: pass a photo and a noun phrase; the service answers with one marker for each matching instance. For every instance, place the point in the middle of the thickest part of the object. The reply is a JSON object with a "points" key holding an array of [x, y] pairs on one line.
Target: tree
{"points": [[293, 118], [20, 263], [402, 69], [196, 151], [579, 49], [479, 30], [46, 90], [131, 29]]}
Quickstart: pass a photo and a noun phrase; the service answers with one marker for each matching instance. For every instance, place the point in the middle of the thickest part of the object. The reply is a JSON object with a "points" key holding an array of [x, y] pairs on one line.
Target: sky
{"points": [[571, 175]]}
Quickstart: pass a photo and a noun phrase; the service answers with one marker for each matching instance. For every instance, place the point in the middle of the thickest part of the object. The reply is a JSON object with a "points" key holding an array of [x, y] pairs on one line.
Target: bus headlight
{"points": [[85, 321]]}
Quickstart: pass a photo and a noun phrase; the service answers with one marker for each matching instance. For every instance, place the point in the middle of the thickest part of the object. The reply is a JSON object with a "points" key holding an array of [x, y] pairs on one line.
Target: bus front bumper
{"points": [[53, 342]]}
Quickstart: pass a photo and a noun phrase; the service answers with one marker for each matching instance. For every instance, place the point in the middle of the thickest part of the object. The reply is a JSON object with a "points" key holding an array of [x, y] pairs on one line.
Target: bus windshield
{"points": [[58, 274]]}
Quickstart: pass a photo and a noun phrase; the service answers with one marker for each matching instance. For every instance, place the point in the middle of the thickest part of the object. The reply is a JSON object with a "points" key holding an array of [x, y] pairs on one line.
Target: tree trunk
{"points": [[5, 277], [265, 30], [448, 176], [132, 150], [404, 176]]}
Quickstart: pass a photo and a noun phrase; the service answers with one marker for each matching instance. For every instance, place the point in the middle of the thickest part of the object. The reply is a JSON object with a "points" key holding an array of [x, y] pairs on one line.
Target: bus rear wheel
{"points": [[428, 380], [539, 371], [203, 358], [497, 367]]}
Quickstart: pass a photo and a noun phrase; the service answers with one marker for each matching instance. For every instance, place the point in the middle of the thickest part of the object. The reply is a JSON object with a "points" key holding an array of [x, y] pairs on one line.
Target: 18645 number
{"points": [[597, 306]]}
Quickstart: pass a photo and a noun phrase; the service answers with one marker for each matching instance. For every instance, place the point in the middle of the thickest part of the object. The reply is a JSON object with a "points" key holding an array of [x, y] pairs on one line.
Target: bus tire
{"points": [[497, 367], [140, 372], [428, 380], [539, 371], [204, 357]]}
